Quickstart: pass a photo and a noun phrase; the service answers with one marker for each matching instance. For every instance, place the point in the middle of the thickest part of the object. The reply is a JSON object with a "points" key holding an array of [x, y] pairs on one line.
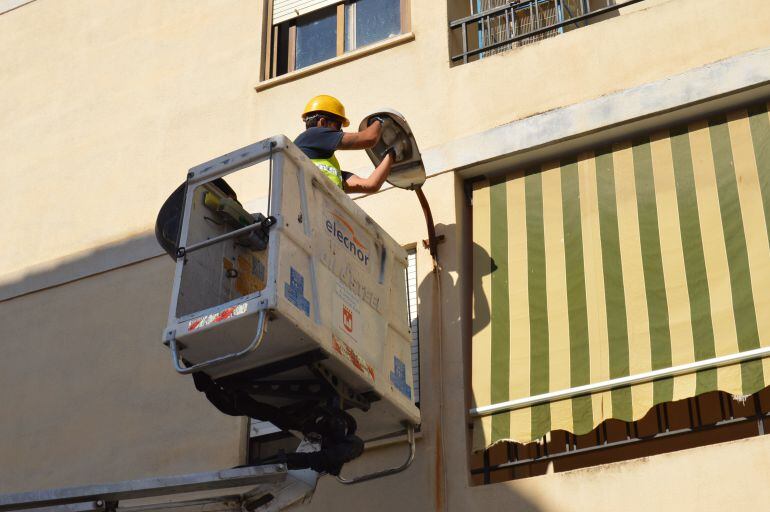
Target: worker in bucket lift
{"points": [[324, 117]]}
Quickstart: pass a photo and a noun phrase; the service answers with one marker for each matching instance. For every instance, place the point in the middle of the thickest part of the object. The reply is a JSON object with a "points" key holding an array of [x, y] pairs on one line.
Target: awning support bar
{"points": [[683, 369]]}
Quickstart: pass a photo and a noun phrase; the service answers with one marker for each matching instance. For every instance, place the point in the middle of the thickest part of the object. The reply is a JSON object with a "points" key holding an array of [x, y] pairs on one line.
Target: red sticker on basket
{"points": [[356, 360], [217, 317]]}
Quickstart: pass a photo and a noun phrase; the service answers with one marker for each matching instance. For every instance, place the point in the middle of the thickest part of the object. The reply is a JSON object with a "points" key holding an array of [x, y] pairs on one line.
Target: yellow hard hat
{"points": [[328, 104]]}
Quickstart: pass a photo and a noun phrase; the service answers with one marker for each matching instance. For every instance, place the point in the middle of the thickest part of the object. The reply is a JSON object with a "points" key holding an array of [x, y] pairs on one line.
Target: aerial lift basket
{"points": [[305, 296], [289, 306]]}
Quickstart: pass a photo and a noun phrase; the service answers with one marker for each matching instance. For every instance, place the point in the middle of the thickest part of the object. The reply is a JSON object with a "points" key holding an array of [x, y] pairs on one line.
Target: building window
{"points": [[306, 33], [316, 37], [266, 440], [486, 27], [414, 324], [369, 21]]}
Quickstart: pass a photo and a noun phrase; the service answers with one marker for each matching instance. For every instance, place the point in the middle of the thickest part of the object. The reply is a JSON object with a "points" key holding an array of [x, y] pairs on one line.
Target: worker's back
{"points": [[319, 144]]}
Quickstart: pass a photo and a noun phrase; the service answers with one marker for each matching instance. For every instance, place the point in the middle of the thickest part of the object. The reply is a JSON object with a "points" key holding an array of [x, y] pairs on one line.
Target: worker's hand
{"points": [[375, 118], [376, 179]]}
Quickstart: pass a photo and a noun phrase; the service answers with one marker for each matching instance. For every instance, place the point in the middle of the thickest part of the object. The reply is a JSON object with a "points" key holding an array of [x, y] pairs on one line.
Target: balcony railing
{"points": [[520, 22]]}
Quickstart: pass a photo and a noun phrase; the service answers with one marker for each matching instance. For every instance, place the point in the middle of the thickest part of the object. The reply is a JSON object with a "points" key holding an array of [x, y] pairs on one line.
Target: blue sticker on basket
{"points": [[295, 291], [398, 378]]}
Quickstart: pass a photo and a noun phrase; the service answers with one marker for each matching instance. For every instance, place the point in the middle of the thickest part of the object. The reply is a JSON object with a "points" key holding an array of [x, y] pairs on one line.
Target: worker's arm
{"points": [[374, 181], [364, 139]]}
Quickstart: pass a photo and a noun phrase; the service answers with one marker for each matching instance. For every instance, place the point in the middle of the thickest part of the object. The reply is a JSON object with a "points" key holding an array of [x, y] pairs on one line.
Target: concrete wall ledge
{"points": [[698, 92], [79, 265]]}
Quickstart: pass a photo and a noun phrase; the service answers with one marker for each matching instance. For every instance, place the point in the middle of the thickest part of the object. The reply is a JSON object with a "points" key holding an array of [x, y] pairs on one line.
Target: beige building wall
{"points": [[88, 393], [107, 104]]}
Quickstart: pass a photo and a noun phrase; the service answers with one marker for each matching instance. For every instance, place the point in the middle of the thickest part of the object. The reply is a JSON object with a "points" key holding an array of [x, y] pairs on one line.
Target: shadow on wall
{"points": [[79, 266], [457, 283], [453, 295], [89, 391]]}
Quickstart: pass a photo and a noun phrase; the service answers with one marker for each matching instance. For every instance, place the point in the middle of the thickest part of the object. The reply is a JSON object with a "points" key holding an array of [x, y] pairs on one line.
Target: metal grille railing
{"points": [[698, 421], [498, 28]]}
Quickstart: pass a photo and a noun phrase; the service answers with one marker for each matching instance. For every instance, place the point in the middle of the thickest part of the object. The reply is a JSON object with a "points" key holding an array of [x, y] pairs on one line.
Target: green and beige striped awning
{"points": [[647, 255]]}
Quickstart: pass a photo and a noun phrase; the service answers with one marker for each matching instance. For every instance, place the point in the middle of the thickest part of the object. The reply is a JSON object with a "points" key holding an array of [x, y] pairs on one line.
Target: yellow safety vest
{"points": [[331, 168]]}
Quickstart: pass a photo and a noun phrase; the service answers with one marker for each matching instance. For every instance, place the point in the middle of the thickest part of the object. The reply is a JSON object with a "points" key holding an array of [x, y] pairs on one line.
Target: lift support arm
{"points": [[274, 487]]}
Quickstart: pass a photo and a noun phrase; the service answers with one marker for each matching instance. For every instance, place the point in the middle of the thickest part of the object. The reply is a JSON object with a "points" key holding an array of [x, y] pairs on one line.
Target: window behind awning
{"points": [[284, 10], [644, 255]]}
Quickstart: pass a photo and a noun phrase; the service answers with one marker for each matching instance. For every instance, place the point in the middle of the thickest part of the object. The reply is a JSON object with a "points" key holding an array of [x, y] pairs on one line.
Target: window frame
{"points": [[411, 282], [271, 36]]}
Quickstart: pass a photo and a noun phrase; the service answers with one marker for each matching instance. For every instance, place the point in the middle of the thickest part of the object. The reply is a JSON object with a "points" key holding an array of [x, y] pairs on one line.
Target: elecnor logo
{"points": [[345, 235]]}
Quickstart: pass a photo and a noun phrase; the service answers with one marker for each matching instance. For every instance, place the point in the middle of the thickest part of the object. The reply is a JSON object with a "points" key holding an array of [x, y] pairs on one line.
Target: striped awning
{"points": [[623, 262]]}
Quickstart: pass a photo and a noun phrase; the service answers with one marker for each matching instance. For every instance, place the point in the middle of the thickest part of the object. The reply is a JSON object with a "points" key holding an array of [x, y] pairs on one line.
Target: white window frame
{"points": [[272, 33], [414, 322], [9, 5]]}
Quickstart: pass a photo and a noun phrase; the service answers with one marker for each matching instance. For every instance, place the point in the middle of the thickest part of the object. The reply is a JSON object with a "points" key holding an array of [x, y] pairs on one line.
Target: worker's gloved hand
{"points": [[375, 118], [390, 151]]}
